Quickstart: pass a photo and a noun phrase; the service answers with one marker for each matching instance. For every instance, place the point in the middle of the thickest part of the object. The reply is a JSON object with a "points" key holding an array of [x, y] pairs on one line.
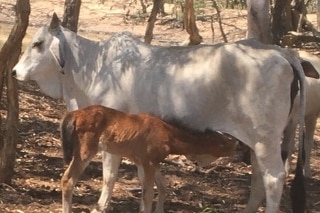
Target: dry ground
{"points": [[224, 187]]}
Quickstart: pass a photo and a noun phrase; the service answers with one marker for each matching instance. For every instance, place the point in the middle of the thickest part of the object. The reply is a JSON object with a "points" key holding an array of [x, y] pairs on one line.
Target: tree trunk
{"points": [[9, 56], [318, 15], [289, 16], [299, 15], [161, 8], [190, 23], [152, 19], [215, 5], [144, 8], [258, 20], [71, 14], [281, 21]]}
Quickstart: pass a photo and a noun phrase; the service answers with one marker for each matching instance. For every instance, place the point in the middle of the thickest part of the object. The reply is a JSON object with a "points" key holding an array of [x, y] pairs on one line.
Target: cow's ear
{"points": [[55, 22], [309, 69], [57, 50]]}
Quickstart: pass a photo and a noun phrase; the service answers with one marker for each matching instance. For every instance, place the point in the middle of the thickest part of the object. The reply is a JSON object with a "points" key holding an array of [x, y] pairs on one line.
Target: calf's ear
{"points": [[309, 69], [55, 22]]}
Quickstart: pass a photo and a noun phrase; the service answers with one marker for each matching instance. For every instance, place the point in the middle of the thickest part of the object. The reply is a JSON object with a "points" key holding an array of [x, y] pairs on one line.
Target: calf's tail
{"points": [[67, 135]]}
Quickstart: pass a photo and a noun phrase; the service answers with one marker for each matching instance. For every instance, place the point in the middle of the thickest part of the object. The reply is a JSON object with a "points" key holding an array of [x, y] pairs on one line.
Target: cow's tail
{"points": [[298, 192], [67, 135]]}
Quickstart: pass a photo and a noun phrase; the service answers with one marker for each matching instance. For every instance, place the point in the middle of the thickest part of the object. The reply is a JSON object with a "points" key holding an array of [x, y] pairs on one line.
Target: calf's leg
{"points": [[161, 186], [110, 167], [148, 188], [141, 177], [69, 180]]}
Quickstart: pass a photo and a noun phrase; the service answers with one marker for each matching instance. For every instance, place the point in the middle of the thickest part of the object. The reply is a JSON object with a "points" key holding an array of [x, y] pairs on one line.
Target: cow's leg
{"points": [[69, 180], [257, 193], [287, 145], [161, 186], [310, 123], [268, 157], [273, 178], [110, 167]]}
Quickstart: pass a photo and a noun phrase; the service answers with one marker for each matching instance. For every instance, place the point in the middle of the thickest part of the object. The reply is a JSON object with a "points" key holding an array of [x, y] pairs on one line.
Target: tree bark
{"points": [[144, 8], [190, 23], [279, 28], [71, 14], [318, 15], [258, 20], [9, 56], [215, 5], [289, 16], [152, 19]]}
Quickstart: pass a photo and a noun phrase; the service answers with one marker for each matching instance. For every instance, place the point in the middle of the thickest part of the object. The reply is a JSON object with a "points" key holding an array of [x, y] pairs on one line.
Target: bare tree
{"points": [[9, 56], [318, 15], [190, 23], [290, 25], [152, 19], [281, 20], [144, 7], [71, 14], [215, 5]]}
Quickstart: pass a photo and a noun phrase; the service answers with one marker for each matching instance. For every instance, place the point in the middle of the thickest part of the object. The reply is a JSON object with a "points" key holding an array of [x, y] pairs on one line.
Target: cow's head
{"points": [[43, 59]]}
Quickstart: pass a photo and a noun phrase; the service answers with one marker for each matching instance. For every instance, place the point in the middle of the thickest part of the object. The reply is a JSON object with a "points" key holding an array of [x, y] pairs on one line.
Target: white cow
{"points": [[243, 89], [312, 112]]}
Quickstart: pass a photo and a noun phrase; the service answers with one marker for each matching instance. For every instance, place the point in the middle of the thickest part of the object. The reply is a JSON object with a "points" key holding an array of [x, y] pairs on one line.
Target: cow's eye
{"points": [[37, 44]]}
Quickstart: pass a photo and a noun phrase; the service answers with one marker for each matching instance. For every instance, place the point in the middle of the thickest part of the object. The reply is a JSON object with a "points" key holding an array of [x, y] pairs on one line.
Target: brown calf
{"points": [[143, 138]]}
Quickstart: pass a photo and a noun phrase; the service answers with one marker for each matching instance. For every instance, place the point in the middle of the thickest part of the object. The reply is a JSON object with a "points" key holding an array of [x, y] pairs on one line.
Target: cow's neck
{"points": [[81, 53], [73, 96]]}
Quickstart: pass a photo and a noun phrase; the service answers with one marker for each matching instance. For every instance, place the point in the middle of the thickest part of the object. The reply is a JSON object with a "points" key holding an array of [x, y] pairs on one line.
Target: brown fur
{"points": [[143, 138]]}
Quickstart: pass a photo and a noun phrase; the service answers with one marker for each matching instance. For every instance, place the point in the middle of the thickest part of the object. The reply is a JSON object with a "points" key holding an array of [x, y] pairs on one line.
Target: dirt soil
{"points": [[223, 187]]}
